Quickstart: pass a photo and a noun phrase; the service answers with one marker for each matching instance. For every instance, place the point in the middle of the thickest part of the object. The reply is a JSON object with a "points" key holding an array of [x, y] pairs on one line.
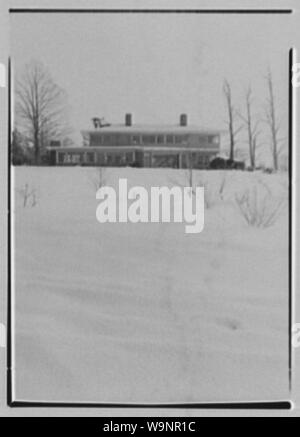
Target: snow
{"points": [[144, 313]]}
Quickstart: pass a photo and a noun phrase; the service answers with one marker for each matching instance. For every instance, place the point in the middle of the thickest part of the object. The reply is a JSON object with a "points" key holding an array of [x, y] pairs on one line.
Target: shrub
{"points": [[259, 208]]}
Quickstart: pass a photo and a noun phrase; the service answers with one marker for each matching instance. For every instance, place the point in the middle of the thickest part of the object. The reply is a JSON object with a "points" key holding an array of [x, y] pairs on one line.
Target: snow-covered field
{"points": [[145, 313]]}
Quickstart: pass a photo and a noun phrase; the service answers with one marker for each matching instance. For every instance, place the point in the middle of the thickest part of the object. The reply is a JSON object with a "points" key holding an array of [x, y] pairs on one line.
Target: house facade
{"points": [[178, 146]]}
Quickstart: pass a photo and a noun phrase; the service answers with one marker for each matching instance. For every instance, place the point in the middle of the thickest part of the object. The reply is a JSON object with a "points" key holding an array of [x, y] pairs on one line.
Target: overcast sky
{"points": [[155, 66]]}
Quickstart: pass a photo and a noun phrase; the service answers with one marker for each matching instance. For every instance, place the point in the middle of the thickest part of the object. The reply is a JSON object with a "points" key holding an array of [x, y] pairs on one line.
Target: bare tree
{"points": [[190, 171], [28, 194], [98, 178], [272, 121], [40, 107], [231, 118], [252, 127]]}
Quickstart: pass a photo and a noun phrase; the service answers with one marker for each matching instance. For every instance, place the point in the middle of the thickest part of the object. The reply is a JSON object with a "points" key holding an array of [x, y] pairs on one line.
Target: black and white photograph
{"points": [[150, 193]]}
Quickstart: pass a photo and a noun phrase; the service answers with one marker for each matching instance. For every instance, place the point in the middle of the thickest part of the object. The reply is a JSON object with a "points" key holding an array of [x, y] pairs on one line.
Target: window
{"points": [[110, 160], [95, 140], [123, 140], [148, 139], [199, 159], [136, 139], [106, 139], [61, 158], [213, 139], [90, 157], [202, 139], [129, 157], [179, 139], [164, 160], [72, 158], [160, 139], [170, 139], [110, 140], [101, 158], [118, 159]]}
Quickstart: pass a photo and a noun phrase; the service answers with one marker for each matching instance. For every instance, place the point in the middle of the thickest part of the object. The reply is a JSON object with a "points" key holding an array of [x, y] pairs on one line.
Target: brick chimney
{"points": [[128, 119], [183, 120]]}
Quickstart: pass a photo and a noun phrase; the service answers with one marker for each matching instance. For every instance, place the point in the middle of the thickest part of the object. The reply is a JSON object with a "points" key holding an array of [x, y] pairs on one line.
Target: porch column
{"points": [[179, 160]]}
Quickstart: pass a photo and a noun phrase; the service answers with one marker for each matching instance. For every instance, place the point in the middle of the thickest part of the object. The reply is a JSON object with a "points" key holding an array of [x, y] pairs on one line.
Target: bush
{"points": [[259, 208]]}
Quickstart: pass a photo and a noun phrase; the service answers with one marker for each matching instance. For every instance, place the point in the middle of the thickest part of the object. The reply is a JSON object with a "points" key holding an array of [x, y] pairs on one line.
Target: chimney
{"points": [[128, 119], [183, 120]]}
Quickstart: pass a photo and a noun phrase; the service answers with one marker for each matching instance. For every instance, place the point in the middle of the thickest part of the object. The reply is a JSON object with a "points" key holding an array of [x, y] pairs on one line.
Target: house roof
{"points": [[151, 129]]}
